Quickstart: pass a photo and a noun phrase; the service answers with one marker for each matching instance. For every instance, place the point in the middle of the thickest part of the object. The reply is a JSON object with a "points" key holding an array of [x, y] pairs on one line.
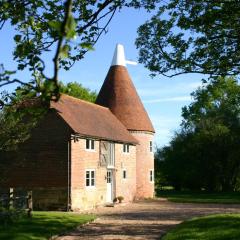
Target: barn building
{"points": [[82, 155]]}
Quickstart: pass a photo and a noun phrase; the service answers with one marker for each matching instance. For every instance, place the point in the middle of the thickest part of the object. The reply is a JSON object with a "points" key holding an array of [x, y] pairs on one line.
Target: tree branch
{"points": [[68, 7]]}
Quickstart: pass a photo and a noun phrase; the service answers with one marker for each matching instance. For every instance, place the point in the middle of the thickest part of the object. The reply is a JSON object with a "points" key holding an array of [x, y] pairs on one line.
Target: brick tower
{"points": [[120, 96]]}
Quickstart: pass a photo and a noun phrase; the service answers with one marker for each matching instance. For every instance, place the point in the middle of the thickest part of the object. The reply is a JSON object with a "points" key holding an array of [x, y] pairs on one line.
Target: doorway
{"points": [[109, 197]]}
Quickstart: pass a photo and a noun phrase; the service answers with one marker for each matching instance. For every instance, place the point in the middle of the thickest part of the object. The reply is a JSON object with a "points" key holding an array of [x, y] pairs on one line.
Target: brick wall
{"points": [[41, 162], [125, 161], [83, 197], [145, 163]]}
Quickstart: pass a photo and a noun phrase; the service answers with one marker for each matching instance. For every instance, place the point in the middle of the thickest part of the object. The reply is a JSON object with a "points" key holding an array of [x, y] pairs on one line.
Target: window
{"points": [[151, 146], [151, 176], [109, 177], [90, 178], [124, 174], [90, 144], [126, 148]]}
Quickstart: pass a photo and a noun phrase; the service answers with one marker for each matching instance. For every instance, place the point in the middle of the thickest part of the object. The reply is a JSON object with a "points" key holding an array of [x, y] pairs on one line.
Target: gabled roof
{"points": [[89, 119], [120, 96]]}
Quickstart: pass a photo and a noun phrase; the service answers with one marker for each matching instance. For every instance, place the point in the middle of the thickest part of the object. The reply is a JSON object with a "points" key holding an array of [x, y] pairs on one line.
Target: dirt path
{"points": [[143, 220]]}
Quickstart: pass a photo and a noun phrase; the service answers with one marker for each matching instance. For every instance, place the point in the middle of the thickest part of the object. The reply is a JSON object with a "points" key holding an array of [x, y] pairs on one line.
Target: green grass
{"points": [[213, 227], [43, 225], [200, 197]]}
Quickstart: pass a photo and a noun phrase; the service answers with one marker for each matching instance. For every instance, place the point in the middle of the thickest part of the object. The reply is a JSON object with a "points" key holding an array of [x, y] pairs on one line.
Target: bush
{"points": [[120, 199], [9, 216]]}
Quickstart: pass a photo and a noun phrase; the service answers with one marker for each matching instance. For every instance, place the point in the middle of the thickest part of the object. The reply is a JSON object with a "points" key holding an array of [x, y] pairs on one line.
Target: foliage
{"points": [[200, 196], [192, 36], [10, 216], [17, 119], [43, 225], [78, 91], [220, 226], [69, 28], [26, 109], [120, 198], [205, 153]]}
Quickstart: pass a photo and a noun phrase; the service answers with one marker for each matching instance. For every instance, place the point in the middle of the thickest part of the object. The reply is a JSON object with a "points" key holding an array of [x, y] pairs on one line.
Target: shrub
{"points": [[9, 216], [120, 198]]}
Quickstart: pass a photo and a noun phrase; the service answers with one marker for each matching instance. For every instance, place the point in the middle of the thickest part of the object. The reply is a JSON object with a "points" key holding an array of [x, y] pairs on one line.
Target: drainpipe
{"points": [[69, 177]]}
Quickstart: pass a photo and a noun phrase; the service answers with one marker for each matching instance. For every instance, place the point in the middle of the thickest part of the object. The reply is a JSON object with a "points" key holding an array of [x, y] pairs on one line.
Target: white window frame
{"points": [[151, 146], [126, 148], [91, 145], [124, 178], [90, 178], [151, 175]]}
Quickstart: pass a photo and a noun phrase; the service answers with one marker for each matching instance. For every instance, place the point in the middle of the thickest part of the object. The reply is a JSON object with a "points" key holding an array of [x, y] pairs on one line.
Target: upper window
{"points": [[126, 148], [151, 146], [90, 178], [90, 144], [151, 176]]}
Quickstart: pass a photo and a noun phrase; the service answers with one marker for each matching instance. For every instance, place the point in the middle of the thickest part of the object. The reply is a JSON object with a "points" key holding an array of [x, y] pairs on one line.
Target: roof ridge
{"points": [[81, 100]]}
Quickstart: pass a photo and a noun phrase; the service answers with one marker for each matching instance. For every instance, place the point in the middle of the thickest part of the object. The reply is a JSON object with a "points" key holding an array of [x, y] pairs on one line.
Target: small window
{"points": [[126, 148], [90, 144], [90, 178], [109, 177], [151, 146], [124, 174], [151, 176]]}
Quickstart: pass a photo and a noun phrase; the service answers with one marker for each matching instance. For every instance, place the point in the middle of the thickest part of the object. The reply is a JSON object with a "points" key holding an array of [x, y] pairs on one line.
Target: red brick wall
{"points": [[125, 161], [42, 160], [83, 197], [145, 163]]}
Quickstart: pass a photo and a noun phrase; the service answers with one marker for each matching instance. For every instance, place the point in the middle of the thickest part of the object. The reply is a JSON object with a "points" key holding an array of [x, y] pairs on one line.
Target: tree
{"points": [[71, 27], [78, 91], [25, 111], [192, 36], [205, 153]]}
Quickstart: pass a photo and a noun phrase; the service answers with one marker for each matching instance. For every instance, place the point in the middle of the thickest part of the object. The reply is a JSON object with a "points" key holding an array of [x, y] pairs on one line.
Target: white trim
{"points": [[90, 178], [151, 146], [151, 170], [90, 145], [128, 147], [90, 150]]}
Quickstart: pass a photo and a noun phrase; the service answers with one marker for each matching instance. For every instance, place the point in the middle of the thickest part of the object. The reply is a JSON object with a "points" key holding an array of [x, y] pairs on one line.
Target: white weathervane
{"points": [[119, 57]]}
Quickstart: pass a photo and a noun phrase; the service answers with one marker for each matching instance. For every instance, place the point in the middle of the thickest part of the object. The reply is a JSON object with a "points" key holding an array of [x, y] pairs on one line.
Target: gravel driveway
{"points": [[143, 220]]}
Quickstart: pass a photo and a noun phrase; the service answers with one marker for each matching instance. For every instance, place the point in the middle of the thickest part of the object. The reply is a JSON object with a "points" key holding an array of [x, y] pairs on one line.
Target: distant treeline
{"points": [[205, 152]]}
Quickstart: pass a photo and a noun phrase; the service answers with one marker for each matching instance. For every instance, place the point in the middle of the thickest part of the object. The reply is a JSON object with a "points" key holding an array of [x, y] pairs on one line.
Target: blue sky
{"points": [[162, 97]]}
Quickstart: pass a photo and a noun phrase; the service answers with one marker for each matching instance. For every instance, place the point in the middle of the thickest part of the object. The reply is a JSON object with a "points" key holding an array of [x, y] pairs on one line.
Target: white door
{"points": [[109, 197]]}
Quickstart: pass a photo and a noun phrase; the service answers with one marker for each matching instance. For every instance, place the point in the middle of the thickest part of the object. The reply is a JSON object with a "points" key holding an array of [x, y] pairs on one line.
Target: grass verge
{"points": [[43, 225], [200, 197], [213, 227]]}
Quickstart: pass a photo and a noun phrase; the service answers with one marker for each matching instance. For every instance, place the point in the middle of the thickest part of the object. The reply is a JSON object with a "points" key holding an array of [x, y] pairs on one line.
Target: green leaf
{"points": [[55, 25], [87, 45], [64, 52], [17, 38], [71, 28]]}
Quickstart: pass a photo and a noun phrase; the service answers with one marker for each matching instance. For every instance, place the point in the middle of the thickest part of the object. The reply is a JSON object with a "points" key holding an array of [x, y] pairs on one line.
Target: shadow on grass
{"points": [[200, 197], [214, 227], [43, 225]]}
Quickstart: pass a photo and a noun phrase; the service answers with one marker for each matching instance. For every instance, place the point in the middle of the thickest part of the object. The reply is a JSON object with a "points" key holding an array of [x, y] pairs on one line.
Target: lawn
{"points": [[213, 227], [200, 197], [43, 225]]}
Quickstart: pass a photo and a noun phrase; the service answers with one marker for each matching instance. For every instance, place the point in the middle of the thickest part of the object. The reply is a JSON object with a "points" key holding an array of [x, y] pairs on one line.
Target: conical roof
{"points": [[120, 96]]}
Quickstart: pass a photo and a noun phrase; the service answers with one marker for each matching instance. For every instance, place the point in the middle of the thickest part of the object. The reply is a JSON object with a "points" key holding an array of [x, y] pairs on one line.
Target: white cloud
{"points": [[170, 99]]}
